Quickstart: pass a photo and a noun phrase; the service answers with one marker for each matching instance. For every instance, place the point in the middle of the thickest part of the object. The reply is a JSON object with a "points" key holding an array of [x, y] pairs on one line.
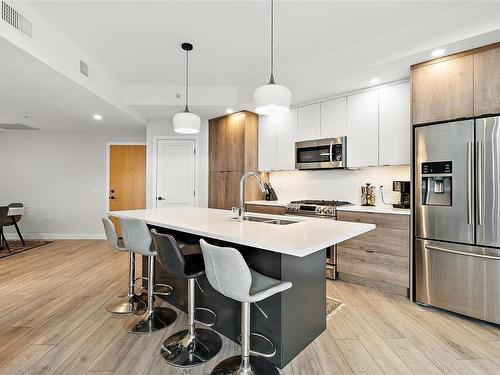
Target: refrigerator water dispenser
{"points": [[436, 183]]}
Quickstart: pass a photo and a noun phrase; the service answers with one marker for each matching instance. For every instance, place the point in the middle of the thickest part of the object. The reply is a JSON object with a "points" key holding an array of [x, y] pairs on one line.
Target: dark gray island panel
{"points": [[294, 318]]}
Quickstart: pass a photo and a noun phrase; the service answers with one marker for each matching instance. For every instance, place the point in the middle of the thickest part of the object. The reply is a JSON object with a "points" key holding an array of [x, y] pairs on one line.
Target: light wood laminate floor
{"points": [[53, 321]]}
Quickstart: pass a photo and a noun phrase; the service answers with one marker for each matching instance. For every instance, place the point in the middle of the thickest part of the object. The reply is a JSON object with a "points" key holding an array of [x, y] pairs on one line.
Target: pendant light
{"points": [[186, 122], [272, 99]]}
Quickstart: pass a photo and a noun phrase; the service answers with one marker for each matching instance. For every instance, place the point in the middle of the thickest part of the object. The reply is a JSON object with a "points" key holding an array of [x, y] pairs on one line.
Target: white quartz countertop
{"points": [[376, 209], [304, 237], [269, 203]]}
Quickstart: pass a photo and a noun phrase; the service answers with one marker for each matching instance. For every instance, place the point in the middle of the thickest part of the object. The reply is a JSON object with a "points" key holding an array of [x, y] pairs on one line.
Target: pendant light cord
{"points": [[187, 81], [271, 79]]}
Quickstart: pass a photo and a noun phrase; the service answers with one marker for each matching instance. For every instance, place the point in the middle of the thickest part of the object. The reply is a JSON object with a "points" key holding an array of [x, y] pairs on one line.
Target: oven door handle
{"points": [[331, 152]]}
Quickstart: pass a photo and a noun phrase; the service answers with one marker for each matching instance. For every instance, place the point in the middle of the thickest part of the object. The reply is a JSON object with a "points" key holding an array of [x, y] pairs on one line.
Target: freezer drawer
{"points": [[460, 278]]}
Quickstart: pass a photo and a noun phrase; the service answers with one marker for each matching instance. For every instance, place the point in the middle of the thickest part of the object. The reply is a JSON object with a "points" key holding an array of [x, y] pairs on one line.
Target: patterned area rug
{"points": [[17, 247], [332, 305]]}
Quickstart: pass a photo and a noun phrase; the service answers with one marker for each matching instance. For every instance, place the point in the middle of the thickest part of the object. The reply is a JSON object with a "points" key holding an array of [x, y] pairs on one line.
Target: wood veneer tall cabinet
{"points": [[233, 151]]}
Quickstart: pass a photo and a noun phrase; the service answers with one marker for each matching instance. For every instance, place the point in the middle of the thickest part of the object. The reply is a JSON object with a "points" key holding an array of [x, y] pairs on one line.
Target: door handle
{"points": [[160, 199], [461, 252], [480, 183], [469, 182], [112, 197]]}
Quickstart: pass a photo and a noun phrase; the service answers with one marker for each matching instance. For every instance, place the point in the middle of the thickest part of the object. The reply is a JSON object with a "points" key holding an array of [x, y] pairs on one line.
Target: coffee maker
{"points": [[403, 187]]}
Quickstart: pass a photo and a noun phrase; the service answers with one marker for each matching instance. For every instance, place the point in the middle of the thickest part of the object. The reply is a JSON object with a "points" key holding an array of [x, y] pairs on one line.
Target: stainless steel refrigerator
{"points": [[457, 217]]}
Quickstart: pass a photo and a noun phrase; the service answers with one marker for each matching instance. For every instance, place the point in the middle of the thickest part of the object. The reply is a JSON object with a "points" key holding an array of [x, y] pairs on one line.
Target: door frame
{"points": [[158, 138], [108, 162]]}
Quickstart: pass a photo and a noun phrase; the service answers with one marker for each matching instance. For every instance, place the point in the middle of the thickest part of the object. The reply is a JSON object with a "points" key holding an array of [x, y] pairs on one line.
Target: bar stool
{"points": [[192, 346], [229, 274], [138, 240], [127, 304]]}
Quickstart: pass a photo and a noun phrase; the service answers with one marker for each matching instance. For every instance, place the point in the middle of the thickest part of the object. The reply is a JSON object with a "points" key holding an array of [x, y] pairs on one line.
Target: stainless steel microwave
{"points": [[327, 153]]}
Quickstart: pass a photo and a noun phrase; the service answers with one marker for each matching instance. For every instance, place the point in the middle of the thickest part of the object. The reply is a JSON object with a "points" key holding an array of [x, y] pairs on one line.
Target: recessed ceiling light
{"points": [[97, 117], [229, 110], [374, 81], [437, 52]]}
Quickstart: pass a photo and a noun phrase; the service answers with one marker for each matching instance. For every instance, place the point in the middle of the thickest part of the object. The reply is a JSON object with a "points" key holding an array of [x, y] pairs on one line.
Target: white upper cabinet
{"points": [[362, 125], [394, 124], [334, 118], [286, 135], [308, 122], [267, 143]]}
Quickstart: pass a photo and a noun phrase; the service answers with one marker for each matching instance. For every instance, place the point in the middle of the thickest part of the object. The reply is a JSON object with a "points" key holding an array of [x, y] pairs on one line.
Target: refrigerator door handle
{"points": [[480, 167], [469, 183], [461, 252]]}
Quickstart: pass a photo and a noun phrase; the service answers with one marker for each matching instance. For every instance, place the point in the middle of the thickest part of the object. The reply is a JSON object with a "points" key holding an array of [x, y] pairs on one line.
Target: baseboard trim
{"points": [[57, 236]]}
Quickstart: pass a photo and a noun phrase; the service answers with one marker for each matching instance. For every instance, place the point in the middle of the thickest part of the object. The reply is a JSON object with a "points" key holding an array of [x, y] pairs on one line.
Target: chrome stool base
{"points": [[146, 323], [231, 365], [126, 305], [184, 351]]}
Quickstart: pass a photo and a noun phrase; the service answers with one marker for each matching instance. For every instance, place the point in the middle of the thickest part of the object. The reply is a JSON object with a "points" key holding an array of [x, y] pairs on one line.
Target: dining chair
{"points": [[13, 220], [4, 221]]}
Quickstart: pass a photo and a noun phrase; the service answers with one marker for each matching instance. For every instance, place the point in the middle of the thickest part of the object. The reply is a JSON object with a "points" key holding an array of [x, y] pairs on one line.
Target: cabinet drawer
{"points": [[374, 266], [382, 240], [392, 221], [265, 209]]}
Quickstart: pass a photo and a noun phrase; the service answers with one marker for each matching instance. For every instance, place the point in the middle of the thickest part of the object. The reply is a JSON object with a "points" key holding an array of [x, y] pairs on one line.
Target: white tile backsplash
{"points": [[337, 184]]}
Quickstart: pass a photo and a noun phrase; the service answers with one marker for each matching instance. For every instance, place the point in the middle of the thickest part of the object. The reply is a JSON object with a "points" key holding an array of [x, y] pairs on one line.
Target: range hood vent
{"points": [[16, 19], [16, 126]]}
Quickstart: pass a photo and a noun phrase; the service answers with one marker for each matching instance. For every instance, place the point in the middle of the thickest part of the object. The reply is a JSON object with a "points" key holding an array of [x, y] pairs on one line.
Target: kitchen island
{"points": [[283, 247]]}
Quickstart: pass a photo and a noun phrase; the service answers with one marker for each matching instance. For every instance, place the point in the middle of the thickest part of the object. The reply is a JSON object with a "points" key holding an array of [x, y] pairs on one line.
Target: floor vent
{"points": [[16, 126], [16, 19]]}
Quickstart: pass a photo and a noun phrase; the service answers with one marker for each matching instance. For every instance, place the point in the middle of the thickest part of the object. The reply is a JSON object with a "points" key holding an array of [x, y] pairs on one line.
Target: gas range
{"points": [[317, 208]]}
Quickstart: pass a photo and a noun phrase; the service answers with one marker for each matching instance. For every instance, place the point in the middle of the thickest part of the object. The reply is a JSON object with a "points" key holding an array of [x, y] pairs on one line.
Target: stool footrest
{"points": [[261, 354], [163, 290], [211, 312]]}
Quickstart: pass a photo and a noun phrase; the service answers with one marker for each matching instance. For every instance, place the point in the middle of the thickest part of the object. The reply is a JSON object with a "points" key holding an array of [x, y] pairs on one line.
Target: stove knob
{"points": [[318, 210], [330, 210]]}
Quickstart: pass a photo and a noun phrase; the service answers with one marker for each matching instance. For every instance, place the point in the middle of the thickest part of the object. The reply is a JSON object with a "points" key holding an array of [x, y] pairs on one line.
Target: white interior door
{"points": [[175, 173]]}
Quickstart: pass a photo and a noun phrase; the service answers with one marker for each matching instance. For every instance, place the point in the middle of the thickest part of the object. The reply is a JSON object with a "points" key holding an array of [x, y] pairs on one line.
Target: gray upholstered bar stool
{"points": [[138, 240], [229, 274], [129, 303], [192, 346]]}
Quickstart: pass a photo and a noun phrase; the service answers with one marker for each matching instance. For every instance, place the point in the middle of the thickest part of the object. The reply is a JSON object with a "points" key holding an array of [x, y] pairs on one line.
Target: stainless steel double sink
{"points": [[266, 220]]}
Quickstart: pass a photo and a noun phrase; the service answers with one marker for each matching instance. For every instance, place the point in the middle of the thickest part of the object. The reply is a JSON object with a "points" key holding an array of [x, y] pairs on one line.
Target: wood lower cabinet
{"points": [[233, 150], [443, 89], [487, 81], [265, 209], [380, 258]]}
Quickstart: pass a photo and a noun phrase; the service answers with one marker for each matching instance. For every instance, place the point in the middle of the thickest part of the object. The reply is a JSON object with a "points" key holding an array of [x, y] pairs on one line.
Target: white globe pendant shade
{"points": [[272, 99], [186, 123]]}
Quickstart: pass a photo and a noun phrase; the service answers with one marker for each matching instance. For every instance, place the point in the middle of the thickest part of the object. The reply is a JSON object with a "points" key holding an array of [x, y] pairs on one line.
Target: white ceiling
{"points": [[50, 100], [140, 41], [323, 48]]}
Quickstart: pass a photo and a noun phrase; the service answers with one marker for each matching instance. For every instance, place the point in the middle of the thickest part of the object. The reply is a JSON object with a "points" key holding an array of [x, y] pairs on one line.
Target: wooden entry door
{"points": [[127, 178], [175, 173]]}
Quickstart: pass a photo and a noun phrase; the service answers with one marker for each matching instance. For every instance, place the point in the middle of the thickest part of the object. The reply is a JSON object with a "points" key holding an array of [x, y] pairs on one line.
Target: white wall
{"points": [[157, 128], [60, 177], [337, 184]]}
